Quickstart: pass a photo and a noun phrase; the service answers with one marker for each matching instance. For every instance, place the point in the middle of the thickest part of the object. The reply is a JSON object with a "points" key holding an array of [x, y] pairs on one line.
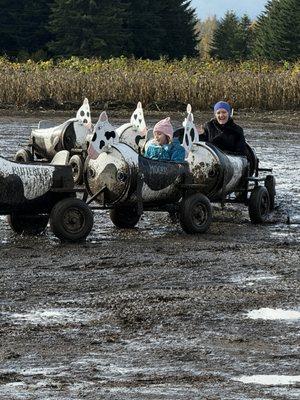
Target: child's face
{"points": [[222, 116], [160, 137]]}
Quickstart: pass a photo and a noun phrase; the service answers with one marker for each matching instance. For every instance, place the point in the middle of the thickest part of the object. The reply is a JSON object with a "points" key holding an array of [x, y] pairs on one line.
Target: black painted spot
{"points": [[135, 116], [140, 121], [186, 140], [82, 113], [94, 137], [85, 121], [192, 134], [101, 144], [110, 134], [87, 114], [137, 139]]}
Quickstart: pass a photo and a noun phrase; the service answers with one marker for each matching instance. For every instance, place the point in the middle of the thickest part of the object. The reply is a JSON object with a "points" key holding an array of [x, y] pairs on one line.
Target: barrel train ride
{"points": [[119, 178]]}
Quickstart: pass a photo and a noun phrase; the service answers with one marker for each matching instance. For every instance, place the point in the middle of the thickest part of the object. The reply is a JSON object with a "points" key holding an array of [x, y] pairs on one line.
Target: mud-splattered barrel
{"points": [[214, 171], [47, 141], [128, 177]]}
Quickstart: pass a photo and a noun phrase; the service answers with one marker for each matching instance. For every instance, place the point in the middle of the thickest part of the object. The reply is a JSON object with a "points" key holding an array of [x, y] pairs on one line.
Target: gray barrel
{"points": [[214, 171], [67, 136], [128, 177]]}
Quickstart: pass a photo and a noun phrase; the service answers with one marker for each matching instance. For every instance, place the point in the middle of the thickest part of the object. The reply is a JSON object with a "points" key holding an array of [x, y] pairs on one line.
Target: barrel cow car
{"points": [[32, 194], [122, 180], [72, 135]]}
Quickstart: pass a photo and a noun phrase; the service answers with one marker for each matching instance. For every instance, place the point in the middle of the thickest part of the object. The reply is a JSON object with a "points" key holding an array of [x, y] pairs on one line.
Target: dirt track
{"points": [[153, 313]]}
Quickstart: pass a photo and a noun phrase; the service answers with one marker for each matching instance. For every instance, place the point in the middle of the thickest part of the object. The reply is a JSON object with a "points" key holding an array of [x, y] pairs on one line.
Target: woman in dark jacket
{"points": [[223, 132]]}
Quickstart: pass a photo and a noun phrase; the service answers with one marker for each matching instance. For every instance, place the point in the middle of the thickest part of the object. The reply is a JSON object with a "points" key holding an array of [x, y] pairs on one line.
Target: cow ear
{"points": [[188, 108], [139, 105], [103, 116], [86, 101]]}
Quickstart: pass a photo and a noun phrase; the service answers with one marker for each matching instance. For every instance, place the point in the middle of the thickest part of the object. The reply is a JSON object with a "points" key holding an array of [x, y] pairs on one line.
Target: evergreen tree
{"points": [[277, 31], [161, 28], [23, 26], [88, 28], [144, 28], [244, 38], [232, 38], [289, 30], [180, 38], [8, 27], [265, 43], [226, 39]]}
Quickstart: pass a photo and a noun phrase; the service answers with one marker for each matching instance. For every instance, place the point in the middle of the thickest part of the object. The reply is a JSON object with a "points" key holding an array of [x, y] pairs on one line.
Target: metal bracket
{"points": [[265, 169], [223, 192], [96, 194]]}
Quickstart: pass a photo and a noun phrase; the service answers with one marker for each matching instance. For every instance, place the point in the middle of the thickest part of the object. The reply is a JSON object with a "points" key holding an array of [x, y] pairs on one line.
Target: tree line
{"points": [[42, 29], [98, 28], [275, 35]]}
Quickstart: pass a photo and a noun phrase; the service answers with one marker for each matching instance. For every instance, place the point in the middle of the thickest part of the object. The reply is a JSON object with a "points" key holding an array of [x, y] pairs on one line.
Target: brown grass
{"points": [[157, 84]]}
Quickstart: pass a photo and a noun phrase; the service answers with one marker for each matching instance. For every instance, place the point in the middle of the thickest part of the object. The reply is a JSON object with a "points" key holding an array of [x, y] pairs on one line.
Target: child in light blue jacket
{"points": [[164, 146]]}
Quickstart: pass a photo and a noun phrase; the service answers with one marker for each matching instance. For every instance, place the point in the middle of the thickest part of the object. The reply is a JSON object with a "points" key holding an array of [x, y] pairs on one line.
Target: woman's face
{"points": [[222, 116], [160, 137]]}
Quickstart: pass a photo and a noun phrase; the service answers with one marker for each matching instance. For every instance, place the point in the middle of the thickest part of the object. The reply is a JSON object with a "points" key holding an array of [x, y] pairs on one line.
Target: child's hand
{"points": [[200, 129]]}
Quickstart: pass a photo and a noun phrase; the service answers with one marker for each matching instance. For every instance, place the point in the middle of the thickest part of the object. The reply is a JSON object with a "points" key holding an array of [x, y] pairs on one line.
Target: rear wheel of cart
{"points": [[23, 156], [28, 224], [259, 205], [77, 168], [270, 184], [195, 213], [71, 220], [125, 217]]}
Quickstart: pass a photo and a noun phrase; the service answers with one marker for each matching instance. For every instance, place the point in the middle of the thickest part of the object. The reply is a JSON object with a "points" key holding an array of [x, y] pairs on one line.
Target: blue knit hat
{"points": [[224, 105]]}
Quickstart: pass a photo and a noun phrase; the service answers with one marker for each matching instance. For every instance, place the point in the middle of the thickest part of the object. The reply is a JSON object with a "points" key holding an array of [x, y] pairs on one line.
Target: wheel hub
{"points": [[73, 220], [199, 214]]}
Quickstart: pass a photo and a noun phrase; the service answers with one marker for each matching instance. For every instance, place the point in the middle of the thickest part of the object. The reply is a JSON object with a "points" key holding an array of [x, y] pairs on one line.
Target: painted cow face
{"points": [[104, 134], [138, 121], [190, 131], [84, 114]]}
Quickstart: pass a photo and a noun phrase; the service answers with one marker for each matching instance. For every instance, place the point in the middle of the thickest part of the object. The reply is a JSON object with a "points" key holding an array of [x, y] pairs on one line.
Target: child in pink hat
{"points": [[164, 146]]}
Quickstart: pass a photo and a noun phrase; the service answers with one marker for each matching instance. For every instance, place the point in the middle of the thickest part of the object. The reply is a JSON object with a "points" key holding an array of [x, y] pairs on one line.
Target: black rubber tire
{"points": [[71, 220], [23, 156], [270, 184], [28, 224], [77, 168], [124, 216], [195, 213], [259, 205]]}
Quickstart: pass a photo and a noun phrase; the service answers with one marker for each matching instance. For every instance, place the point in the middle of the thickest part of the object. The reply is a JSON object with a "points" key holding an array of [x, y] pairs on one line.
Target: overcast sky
{"points": [[206, 8]]}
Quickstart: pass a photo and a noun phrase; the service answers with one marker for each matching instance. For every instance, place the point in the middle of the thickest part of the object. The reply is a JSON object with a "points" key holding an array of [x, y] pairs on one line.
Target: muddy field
{"points": [[153, 313]]}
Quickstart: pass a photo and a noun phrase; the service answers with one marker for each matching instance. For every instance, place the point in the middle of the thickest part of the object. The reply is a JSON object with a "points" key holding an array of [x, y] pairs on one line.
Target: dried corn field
{"points": [[160, 84]]}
